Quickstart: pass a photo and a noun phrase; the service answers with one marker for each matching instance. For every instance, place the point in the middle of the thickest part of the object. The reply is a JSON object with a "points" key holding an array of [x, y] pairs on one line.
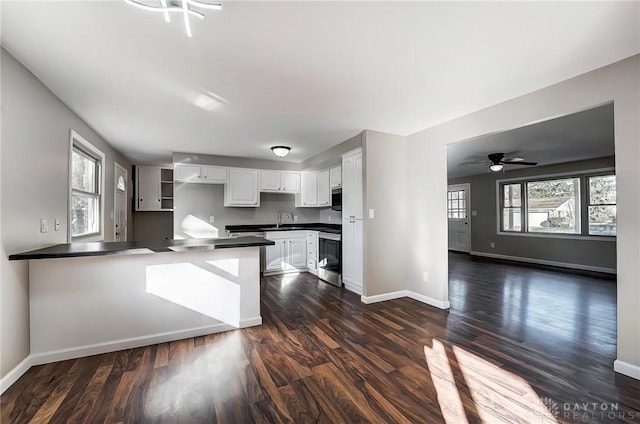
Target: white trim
{"points": [[382, 297], [558, 236], [406, 293], [352, 286], [74, 136], [126, 198], [17, 372], [560, 174], [98, 348], [627, 369], [545, 262]]}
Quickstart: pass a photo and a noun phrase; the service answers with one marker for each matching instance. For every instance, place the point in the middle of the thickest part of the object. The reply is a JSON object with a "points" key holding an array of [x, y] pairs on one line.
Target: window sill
{"points": [[558, 236]]}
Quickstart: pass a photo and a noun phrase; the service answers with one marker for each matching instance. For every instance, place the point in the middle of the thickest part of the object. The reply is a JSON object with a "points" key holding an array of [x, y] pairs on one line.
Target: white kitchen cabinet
{"points": [[288, 254], [213, 174], [352, 254], [280, 181], [312, 251], [335, 177], [154, 188], [242, 188], [352, 186], [324, 189], [187, 173], [206, 174], [308, 196]]}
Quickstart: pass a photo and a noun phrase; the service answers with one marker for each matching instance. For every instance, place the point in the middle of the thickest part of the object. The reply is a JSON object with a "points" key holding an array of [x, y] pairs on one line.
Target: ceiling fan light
{"points": [[281, 151], [496, 167]]}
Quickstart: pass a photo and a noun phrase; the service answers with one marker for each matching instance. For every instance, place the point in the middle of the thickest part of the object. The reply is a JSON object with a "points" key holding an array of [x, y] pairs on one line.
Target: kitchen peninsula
{"points": [[90, 298]]}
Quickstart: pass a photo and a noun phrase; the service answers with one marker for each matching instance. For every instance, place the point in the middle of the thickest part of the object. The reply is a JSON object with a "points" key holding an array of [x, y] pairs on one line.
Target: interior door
{"points": [[120, 204], [458, 212]]}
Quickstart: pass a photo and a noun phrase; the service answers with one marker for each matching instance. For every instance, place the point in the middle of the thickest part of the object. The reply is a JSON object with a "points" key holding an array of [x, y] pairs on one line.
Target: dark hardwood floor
{"points": [[518, 345]]}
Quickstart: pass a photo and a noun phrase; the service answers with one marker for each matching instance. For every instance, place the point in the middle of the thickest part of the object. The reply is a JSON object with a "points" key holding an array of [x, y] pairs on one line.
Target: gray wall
{"points": [[281, 165], [35, 161], [333, 155], [595, 253], [195, 203]]}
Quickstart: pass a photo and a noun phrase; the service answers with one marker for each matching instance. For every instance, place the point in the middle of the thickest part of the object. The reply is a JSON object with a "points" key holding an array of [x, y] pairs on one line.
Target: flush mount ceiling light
{"points": [[496, 167], [179, 6], [280, 151]]}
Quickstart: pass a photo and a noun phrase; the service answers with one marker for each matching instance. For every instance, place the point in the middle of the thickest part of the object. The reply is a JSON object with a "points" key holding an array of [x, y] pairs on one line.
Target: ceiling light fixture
{"points": [[281, 151], [496, 167], [179, 6]]}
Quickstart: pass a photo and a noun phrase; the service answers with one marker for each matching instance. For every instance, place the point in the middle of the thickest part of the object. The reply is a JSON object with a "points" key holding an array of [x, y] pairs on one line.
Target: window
{"points": [[85, 208], [602, 205], [456, 204], [555, 206]]}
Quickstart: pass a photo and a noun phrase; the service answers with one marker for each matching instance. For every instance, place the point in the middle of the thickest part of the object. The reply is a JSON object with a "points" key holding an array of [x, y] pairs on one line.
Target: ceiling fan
{"points": [[498, 161]]}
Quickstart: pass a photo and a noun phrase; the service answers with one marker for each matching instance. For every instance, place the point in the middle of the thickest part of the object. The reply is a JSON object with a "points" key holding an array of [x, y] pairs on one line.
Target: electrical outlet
{"points": [[295, 218], [371, 213], [493, 245], [56, 226], [474, 213], [44, 225], [329, 218], [425, 276], [212, 219]]}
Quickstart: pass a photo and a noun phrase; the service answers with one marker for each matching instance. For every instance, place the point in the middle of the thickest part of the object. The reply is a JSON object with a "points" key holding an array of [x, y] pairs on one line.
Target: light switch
{"points": [[371, 214], [211, 219], [44, 225], [295, 218], [474, 213]]}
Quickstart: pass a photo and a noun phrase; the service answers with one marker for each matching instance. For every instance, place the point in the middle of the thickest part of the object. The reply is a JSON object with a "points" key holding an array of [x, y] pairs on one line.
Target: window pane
{"points": [[511, 219], [602, 220], [552, 206], [83, 172], [84, 214], [602, 190], [512, 195]]}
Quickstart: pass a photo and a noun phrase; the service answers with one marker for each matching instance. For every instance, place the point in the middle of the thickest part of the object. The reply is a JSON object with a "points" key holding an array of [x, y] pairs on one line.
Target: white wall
{"points": [[35, 160], [427, 157]]}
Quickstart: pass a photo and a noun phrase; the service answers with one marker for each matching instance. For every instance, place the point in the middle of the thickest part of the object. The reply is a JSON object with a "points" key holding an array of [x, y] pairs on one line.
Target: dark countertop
{"points": [[73, 250], [326, 228]]}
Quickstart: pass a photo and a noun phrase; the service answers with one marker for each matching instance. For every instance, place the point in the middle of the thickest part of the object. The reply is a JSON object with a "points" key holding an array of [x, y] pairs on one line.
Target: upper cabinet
{"points": [[308, 190], [324, 191], [280, 181], [242, 188], [200, 174], [154, 188], [352, 187], [335, 177]]}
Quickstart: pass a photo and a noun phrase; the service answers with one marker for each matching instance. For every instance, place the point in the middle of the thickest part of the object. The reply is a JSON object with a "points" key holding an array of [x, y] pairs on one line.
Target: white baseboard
{"points": [[627, 369], [382, 297], [406, 293], [17, 372], [353, 287], [112, 346], [545, 262]]}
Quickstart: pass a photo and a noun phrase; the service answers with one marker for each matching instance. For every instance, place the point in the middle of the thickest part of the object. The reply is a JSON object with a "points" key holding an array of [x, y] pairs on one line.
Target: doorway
{"points": [[458, 208], [120, 204]]}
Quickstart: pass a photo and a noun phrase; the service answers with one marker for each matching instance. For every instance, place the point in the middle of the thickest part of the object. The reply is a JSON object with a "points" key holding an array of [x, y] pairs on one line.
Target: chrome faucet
{"points": [[282, 212]]}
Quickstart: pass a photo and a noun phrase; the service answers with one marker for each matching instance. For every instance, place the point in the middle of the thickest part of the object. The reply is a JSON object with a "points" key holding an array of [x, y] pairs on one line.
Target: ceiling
{"points": [[583, 135], [305, 74]]}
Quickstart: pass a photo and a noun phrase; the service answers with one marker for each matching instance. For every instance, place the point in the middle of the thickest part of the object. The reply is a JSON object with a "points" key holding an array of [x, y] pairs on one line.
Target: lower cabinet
{"points": [[288, 254], [352, 254]]}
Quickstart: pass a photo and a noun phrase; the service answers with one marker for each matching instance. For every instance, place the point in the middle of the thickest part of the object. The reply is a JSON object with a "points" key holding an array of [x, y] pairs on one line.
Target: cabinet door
{"points": [[187, 173], [335, 178], [242, 189], [297, 254], [309, 189], [352, 186], [291, 182], [214, 174], [275, 256], [270, 180], [148, 188], [352, 251], [324, 191]]}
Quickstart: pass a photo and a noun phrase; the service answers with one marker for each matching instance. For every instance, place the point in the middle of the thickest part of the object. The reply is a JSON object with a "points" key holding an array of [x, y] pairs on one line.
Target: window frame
{"points": [[582, 199], [588, 204], [79, 144]]}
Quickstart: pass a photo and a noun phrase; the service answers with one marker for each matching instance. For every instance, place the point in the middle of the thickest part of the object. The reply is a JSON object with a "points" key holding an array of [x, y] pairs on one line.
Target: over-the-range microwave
{"points": [[336, 199]]}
